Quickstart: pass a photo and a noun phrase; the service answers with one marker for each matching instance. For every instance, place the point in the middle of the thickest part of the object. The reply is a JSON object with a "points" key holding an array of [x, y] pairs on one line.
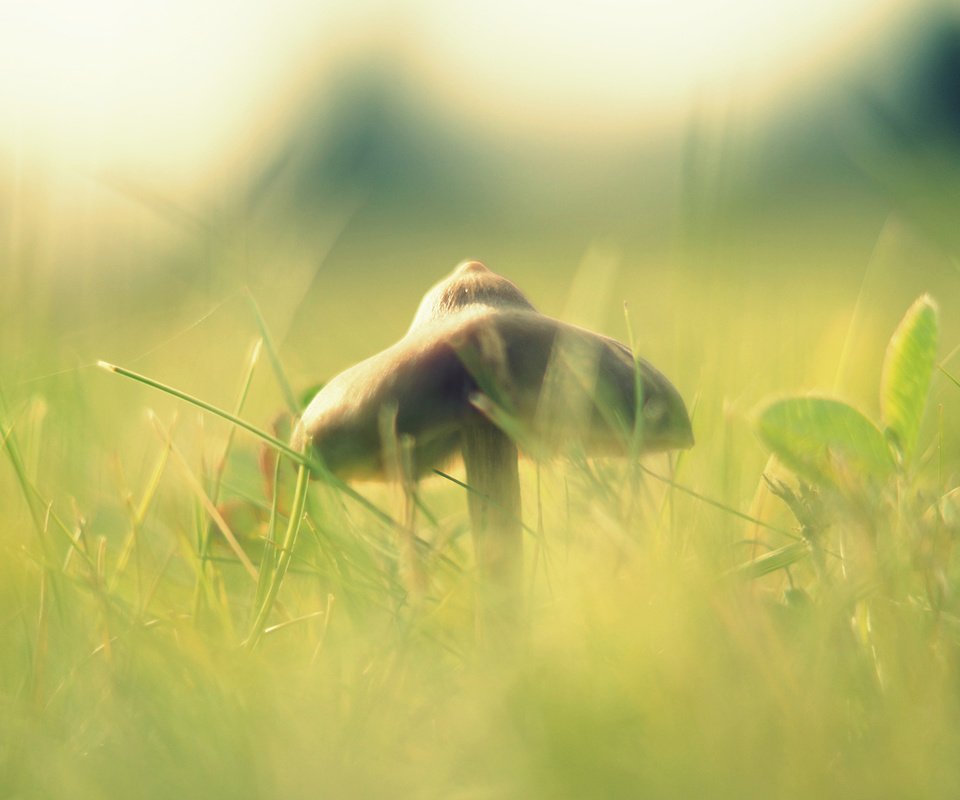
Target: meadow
{"points": [[687, 631]]}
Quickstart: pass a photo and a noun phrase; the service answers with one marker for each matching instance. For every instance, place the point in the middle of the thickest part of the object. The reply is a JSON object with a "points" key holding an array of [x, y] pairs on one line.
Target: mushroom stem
{"points": [[490, 458]]}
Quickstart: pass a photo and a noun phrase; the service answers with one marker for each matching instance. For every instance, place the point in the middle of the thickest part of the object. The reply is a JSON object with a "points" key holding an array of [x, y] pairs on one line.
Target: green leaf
{"points": [[825, 441], [907, 371]]}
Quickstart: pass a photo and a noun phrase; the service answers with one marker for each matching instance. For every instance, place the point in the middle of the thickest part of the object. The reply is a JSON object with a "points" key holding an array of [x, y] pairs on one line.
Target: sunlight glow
{"points": [[175, 84], [162, 84]]}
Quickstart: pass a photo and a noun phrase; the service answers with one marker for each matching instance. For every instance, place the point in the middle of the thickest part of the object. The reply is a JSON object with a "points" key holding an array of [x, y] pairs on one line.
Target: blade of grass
{"points": [[196, 401], [721, 506], [268, 560], [203, 528], [20, 470], [76, 541], [79, 539], [155, 585], [283, 561], [138, 513], [315, 465], [208, 505], [238, 408], [29, 491], [289, 397], [287, 623], [775, 560], [323, 631], [100, 578], [40, 645], [951, 378]]}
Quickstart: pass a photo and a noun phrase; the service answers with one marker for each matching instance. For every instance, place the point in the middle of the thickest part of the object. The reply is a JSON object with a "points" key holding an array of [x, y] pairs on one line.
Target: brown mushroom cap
{"points": [[474, 333], [470, 285]]}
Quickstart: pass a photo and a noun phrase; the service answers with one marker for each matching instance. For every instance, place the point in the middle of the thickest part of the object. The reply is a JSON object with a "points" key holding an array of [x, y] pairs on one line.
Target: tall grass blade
{"points": [[283, 561], [950, 377], [207, 503], [138, 513], [314, 464], [290, 398], [268, 561], [238, 408], [9, 441], [283, 447], [718, 505]]}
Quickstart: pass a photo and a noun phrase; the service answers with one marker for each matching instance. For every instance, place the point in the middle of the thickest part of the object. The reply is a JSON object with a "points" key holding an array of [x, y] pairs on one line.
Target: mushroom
{"points": [[479, 371]]}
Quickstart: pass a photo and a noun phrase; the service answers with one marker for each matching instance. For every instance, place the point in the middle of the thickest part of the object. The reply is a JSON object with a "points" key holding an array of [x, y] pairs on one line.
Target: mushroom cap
{"points": [[470, 285], [476, 335]]}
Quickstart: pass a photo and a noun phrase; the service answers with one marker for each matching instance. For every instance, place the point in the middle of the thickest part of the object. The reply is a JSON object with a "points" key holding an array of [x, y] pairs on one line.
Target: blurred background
{"points": [[767, 185]]}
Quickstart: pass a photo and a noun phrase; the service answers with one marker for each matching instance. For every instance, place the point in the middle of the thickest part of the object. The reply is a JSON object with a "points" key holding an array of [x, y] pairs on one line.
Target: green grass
{"points": [[671, 647]]}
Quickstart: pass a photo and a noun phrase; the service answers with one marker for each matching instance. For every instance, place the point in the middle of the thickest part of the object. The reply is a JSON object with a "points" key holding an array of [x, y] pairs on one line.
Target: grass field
{"points": [[659, 656]]}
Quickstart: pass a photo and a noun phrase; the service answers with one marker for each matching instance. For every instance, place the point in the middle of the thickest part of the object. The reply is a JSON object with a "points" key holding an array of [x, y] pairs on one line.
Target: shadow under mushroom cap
{"points": [[557, 385]]}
